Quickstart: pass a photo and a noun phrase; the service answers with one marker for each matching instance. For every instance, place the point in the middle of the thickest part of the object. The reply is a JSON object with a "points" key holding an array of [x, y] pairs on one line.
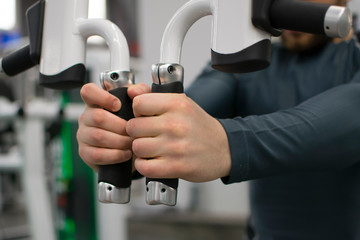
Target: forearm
{"points": [[319, 134]]}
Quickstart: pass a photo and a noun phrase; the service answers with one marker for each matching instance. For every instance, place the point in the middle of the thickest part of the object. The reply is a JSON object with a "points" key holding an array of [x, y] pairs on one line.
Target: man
{"points": [[293, 129]]}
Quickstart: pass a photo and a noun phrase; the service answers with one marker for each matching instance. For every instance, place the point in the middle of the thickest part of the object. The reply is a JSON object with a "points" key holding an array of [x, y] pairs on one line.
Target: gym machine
{"points": [[241, 33]]}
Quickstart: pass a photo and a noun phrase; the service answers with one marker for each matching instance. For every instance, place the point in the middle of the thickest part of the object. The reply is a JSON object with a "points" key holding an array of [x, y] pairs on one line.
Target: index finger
{"points": [[94, 96], [153, 104]]}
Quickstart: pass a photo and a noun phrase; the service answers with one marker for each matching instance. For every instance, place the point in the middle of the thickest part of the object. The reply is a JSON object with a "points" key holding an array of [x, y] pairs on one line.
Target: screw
{"points": [[171, 69], [114, 76]]}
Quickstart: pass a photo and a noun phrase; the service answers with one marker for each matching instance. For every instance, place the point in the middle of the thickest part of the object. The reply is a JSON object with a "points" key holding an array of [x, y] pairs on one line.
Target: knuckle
{"points": [[98, 117], [178, 128], [181, 148], [183, 103], [89, 155], [96, 135], [130, 127], [144, 87], [95, 156], [81, 135]]}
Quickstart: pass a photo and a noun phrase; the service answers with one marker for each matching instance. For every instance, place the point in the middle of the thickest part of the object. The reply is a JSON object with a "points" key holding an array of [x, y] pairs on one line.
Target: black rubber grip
{"points": [[298, 16], [174, 87], [120, 174], [18, 61]]}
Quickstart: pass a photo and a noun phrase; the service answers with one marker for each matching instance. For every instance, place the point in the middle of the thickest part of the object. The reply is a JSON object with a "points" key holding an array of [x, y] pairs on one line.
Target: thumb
{"points": [[94, 96]]}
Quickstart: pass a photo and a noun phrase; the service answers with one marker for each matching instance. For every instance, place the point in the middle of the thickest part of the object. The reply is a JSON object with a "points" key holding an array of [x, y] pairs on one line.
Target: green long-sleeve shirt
{"points": [[294, 131]]}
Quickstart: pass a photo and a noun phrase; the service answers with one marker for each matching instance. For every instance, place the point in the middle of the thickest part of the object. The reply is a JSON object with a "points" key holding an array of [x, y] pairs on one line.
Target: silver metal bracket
{"points": [[115, 79], [108, 193], [159, 193], [163, 73]]}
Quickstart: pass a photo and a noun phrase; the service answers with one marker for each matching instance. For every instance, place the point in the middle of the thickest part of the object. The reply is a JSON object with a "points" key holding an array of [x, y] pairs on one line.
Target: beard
{"points": [[305, 43]]}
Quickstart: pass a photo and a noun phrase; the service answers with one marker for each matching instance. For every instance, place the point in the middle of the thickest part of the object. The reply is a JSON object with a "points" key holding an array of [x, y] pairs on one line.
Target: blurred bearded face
{"points": [[300, 42]]}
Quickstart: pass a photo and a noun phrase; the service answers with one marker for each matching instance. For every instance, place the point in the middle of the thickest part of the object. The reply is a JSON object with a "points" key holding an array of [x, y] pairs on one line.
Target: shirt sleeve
{"points": [[321, 134]]}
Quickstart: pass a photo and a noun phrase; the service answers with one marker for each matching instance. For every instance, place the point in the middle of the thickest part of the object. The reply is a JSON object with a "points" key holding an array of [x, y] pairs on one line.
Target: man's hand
{"points": [[175, 138], [102, 135]]}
